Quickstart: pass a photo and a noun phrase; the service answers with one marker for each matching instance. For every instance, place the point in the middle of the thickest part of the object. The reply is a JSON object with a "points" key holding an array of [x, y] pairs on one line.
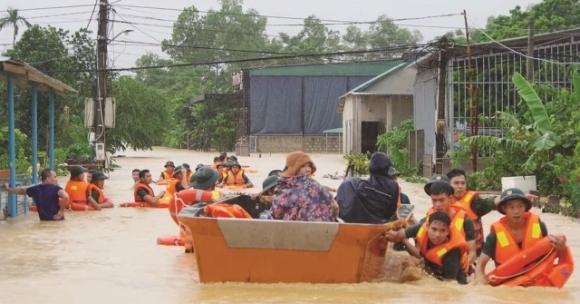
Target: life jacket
{"points": [[436, 254], [465, 203], [166, 175], [140, 186], [225, 210], [506, 246], [235, 179], [77, 191], [93, 187]]}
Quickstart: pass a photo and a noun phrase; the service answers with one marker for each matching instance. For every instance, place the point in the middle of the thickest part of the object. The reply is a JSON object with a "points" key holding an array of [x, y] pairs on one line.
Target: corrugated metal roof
{"points": [[371, 68]]}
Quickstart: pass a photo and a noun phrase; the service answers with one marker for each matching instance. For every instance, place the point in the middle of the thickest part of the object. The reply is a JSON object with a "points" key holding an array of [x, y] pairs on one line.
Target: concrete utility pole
{"points": [[99, 117]]}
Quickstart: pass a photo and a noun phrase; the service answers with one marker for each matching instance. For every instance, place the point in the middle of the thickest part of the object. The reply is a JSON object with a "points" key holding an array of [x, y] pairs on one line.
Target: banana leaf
{"points": [[533, 101], [547, 141]]}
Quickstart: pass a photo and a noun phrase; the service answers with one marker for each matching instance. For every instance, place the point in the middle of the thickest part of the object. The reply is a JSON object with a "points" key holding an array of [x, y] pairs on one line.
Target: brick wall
{"points": [[289, 143]]}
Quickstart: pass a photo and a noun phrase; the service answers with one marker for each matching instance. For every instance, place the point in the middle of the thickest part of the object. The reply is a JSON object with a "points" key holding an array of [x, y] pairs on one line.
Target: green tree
{"points": [[142, 115], [13, 20], [548, 16]]}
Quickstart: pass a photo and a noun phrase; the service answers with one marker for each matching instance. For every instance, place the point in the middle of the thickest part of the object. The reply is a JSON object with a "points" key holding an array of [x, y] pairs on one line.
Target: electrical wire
{"points": [[49, 8], [229, 61], [287, 17], [92, 13]]}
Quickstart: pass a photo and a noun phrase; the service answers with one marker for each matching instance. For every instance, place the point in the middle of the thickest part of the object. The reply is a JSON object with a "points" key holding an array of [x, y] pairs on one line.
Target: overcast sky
{"points": [[360, 10]]}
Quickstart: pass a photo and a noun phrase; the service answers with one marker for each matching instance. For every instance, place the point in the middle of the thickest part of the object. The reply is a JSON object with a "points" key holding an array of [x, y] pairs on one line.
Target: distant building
{"points": [[291, 107], [375, 106]]}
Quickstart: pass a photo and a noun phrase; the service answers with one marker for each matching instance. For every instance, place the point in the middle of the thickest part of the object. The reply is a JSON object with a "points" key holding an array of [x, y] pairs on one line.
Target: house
{"points": [[375, 106], [290, 107], [443, 111]]}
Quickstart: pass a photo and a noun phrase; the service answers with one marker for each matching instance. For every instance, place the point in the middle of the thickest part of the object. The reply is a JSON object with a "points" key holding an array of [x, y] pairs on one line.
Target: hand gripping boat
{"points": [[271, 251]]}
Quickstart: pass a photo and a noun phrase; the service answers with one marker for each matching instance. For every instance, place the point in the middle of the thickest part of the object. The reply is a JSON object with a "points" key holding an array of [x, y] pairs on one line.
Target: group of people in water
{"points": [[449, 239]]}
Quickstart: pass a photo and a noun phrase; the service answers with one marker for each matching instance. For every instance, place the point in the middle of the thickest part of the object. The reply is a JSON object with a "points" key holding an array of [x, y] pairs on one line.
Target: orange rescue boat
{"points": [[265, 251]]}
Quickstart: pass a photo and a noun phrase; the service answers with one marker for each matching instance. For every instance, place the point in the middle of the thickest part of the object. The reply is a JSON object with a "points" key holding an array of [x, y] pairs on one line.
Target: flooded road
{"points": [[111, 256]]}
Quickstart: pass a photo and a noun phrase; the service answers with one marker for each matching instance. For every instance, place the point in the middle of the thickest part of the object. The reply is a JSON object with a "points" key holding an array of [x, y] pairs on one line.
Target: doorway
{"points": [[370, 130]]}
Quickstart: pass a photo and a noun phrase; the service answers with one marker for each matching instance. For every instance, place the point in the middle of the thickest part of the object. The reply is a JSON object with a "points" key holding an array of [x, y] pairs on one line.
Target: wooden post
{"points": [[529, 60], [473, 101]]}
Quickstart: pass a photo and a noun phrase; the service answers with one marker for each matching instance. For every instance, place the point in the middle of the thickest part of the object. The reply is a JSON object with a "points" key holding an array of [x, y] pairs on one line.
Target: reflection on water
{"points": [[111, 257]]}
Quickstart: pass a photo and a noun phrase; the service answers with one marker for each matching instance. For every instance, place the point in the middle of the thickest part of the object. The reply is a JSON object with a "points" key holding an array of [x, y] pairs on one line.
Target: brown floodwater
{"points": [[111, 256]]}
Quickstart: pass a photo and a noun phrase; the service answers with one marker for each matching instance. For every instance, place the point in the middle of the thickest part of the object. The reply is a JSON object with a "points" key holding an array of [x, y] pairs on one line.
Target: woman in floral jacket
{"points": [[298, 197]]}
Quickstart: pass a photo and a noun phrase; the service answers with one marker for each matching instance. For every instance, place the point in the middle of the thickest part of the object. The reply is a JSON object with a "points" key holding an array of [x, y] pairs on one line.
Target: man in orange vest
{"points": [[443, 249], [168, 173], [76, 187], [474, 206], [95, 195], [441, 192], [236, 177], [516, 231], [143, 192]]}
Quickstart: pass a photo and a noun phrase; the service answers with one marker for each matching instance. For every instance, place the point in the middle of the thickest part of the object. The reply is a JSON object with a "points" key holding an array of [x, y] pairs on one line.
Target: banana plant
{"points": [[548, 139]]}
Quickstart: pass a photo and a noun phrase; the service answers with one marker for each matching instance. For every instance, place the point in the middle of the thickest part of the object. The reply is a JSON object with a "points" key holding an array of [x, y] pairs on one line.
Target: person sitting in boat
{"points": [[167, 173], [50, 199], [236, 177], [95, 195], [519, 230], [143, 193], [372, 201], [441, 244], [299, 197], [441, 192], [76, 187], [258, 206]]}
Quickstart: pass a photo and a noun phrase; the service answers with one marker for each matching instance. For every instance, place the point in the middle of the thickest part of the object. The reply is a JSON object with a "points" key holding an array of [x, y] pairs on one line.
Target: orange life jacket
{"points": [[165, 175], [140, 186], [235, 179], [456, 240], [93, 187], [225, 210], [77, 191], [465, 203], [506, 246]]}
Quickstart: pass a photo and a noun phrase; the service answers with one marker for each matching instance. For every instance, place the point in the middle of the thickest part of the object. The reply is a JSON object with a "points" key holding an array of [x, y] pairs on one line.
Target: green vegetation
{"points": [[543, 139], [358, 163], [395, 142]]}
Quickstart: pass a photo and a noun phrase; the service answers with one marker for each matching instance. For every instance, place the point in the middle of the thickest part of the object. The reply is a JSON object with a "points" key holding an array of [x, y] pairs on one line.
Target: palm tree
{"points": [[13, 20]]}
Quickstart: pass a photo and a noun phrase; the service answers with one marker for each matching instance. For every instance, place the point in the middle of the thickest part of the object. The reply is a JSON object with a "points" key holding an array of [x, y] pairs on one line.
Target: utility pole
{"points": [[99, 118], [529, 60], [472, 101]]}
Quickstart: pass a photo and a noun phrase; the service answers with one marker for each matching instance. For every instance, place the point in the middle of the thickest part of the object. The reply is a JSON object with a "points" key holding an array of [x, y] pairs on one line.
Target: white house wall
{"points": [[425, 98]]}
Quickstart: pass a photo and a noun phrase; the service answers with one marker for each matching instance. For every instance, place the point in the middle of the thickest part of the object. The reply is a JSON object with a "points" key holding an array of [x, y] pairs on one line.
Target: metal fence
{"points": [[492, 83]]}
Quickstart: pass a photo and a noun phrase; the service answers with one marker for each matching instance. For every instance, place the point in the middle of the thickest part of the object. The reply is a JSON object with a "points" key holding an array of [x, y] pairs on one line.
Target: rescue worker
{"points": [[474, 206], [95, 195], [518, 230], [236, 177], [441, 193], [76, 187], [143, 193], [188, 173], [168, 173], [442, 246], [135, 175]]}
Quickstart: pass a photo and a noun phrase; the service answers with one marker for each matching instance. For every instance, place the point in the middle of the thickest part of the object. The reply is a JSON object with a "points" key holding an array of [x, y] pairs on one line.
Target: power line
{"points": [[255, 59], [49, 8], [288, 17], [92, 13], [186, 46], [58, 15]]}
